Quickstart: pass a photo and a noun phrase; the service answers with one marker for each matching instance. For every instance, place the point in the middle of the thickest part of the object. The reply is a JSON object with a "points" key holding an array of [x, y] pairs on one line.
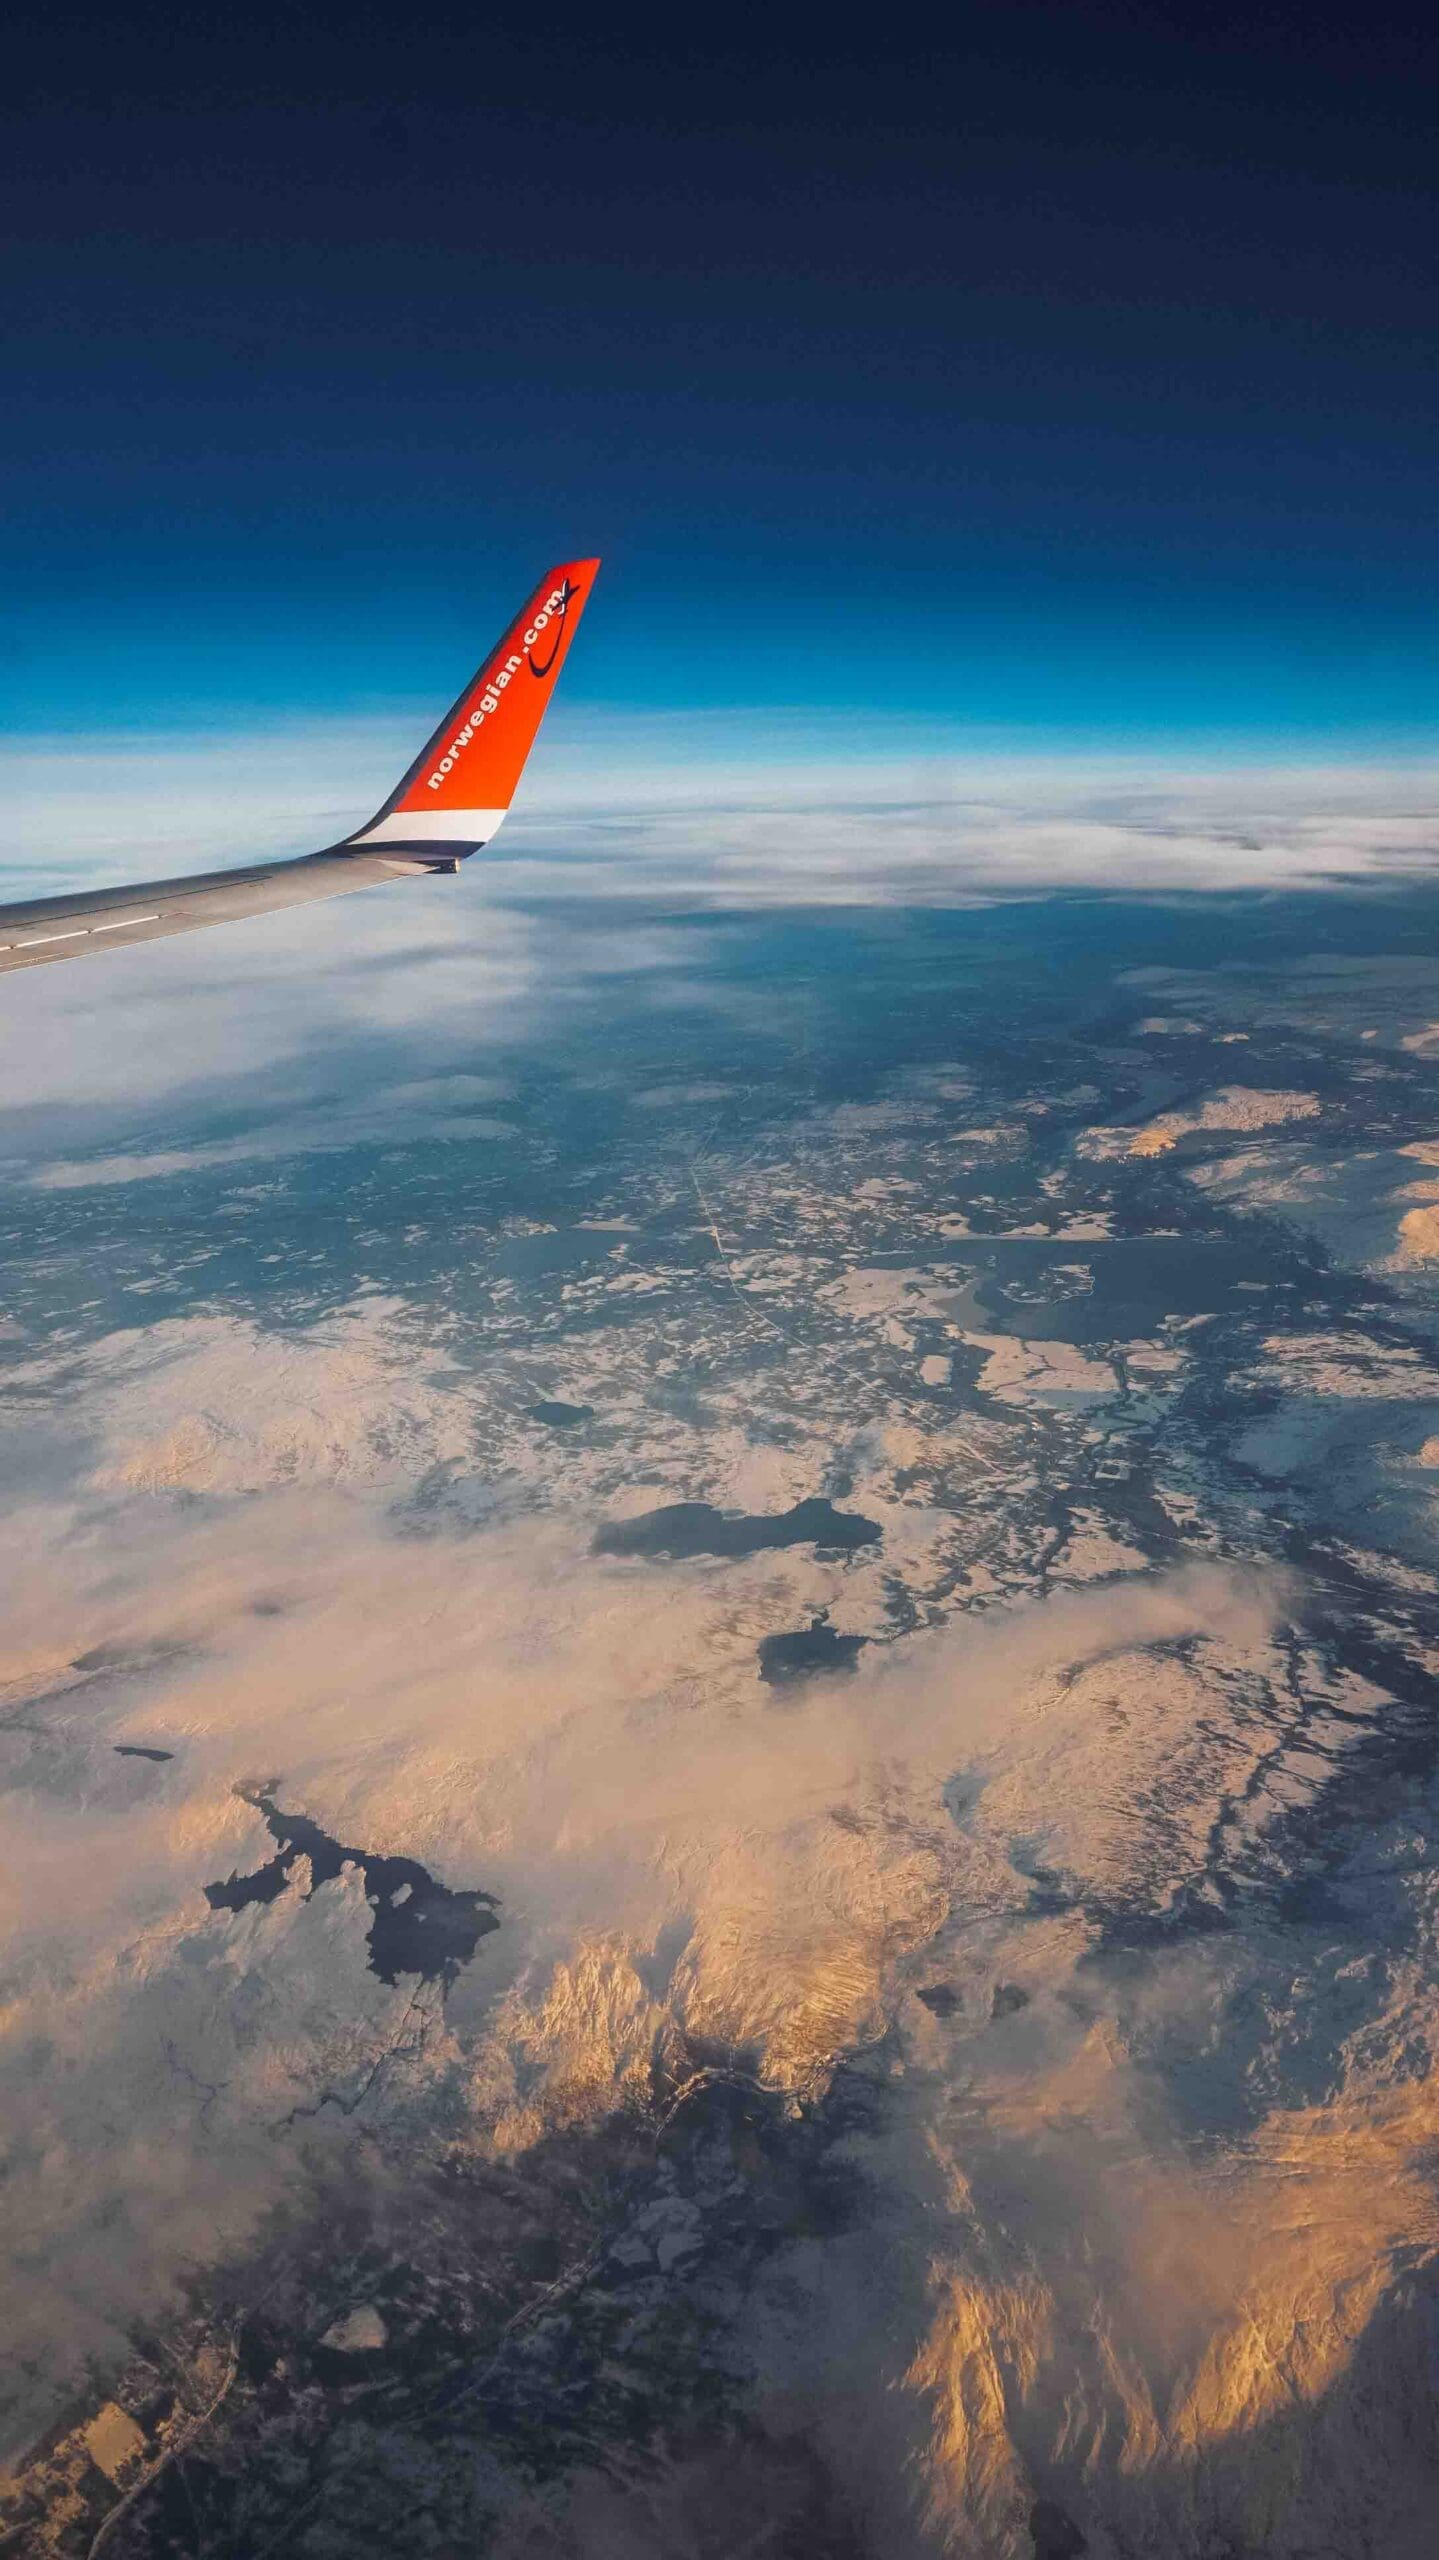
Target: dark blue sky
{"points": [[1072, 371]]}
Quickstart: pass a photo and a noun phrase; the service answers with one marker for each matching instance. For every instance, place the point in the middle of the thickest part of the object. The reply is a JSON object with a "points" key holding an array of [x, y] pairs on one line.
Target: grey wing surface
{"points": [[36, 930]]}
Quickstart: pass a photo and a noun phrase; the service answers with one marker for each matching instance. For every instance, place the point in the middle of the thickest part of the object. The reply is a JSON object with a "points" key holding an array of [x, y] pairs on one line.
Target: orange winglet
{"points": [[460, 786]]}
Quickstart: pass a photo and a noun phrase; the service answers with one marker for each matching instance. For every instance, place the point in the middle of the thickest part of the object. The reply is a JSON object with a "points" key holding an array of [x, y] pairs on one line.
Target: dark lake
{"points": [[697, 1529], [807, 1653], [419, 1925], [1104, 1289], [557, 1249]]}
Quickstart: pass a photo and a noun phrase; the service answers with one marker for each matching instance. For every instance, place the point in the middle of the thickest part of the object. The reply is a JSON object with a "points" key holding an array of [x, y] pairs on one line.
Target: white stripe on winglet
{"points": [[121, 922], [76, 933], [432, 826]]}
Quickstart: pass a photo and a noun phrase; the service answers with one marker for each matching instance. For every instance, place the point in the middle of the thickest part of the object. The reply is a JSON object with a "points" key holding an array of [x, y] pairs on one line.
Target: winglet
{"points": [[459, 788]]}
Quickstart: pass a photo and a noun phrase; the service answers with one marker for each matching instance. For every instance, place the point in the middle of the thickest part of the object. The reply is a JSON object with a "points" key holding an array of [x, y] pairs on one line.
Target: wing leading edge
{"points": [[447, 806]]}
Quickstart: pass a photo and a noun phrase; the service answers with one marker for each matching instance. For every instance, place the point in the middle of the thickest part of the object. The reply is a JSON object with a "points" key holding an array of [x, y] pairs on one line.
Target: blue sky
{"points": [[1069, 383]]}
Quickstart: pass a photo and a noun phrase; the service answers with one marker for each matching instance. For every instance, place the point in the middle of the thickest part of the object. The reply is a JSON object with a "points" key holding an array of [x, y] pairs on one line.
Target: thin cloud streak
{"points": [[137, 807]]}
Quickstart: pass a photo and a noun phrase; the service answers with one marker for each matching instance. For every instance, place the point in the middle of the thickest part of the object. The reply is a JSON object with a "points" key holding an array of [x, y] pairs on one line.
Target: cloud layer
{"points": [[1146, 2191], [514, 1712]]}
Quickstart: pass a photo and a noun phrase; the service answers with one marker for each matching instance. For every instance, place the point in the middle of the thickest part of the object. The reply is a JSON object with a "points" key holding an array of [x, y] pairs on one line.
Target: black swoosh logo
{"points": [[567, 592]]}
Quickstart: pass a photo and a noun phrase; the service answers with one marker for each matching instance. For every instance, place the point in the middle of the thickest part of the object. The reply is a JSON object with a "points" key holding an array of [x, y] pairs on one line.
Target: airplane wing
{"points": [[450, 803]]}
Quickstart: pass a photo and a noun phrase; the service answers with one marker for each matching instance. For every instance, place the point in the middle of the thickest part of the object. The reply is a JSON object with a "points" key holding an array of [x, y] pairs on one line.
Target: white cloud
{"points": [[423, 976], [627, 801], [588, 1740]]}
